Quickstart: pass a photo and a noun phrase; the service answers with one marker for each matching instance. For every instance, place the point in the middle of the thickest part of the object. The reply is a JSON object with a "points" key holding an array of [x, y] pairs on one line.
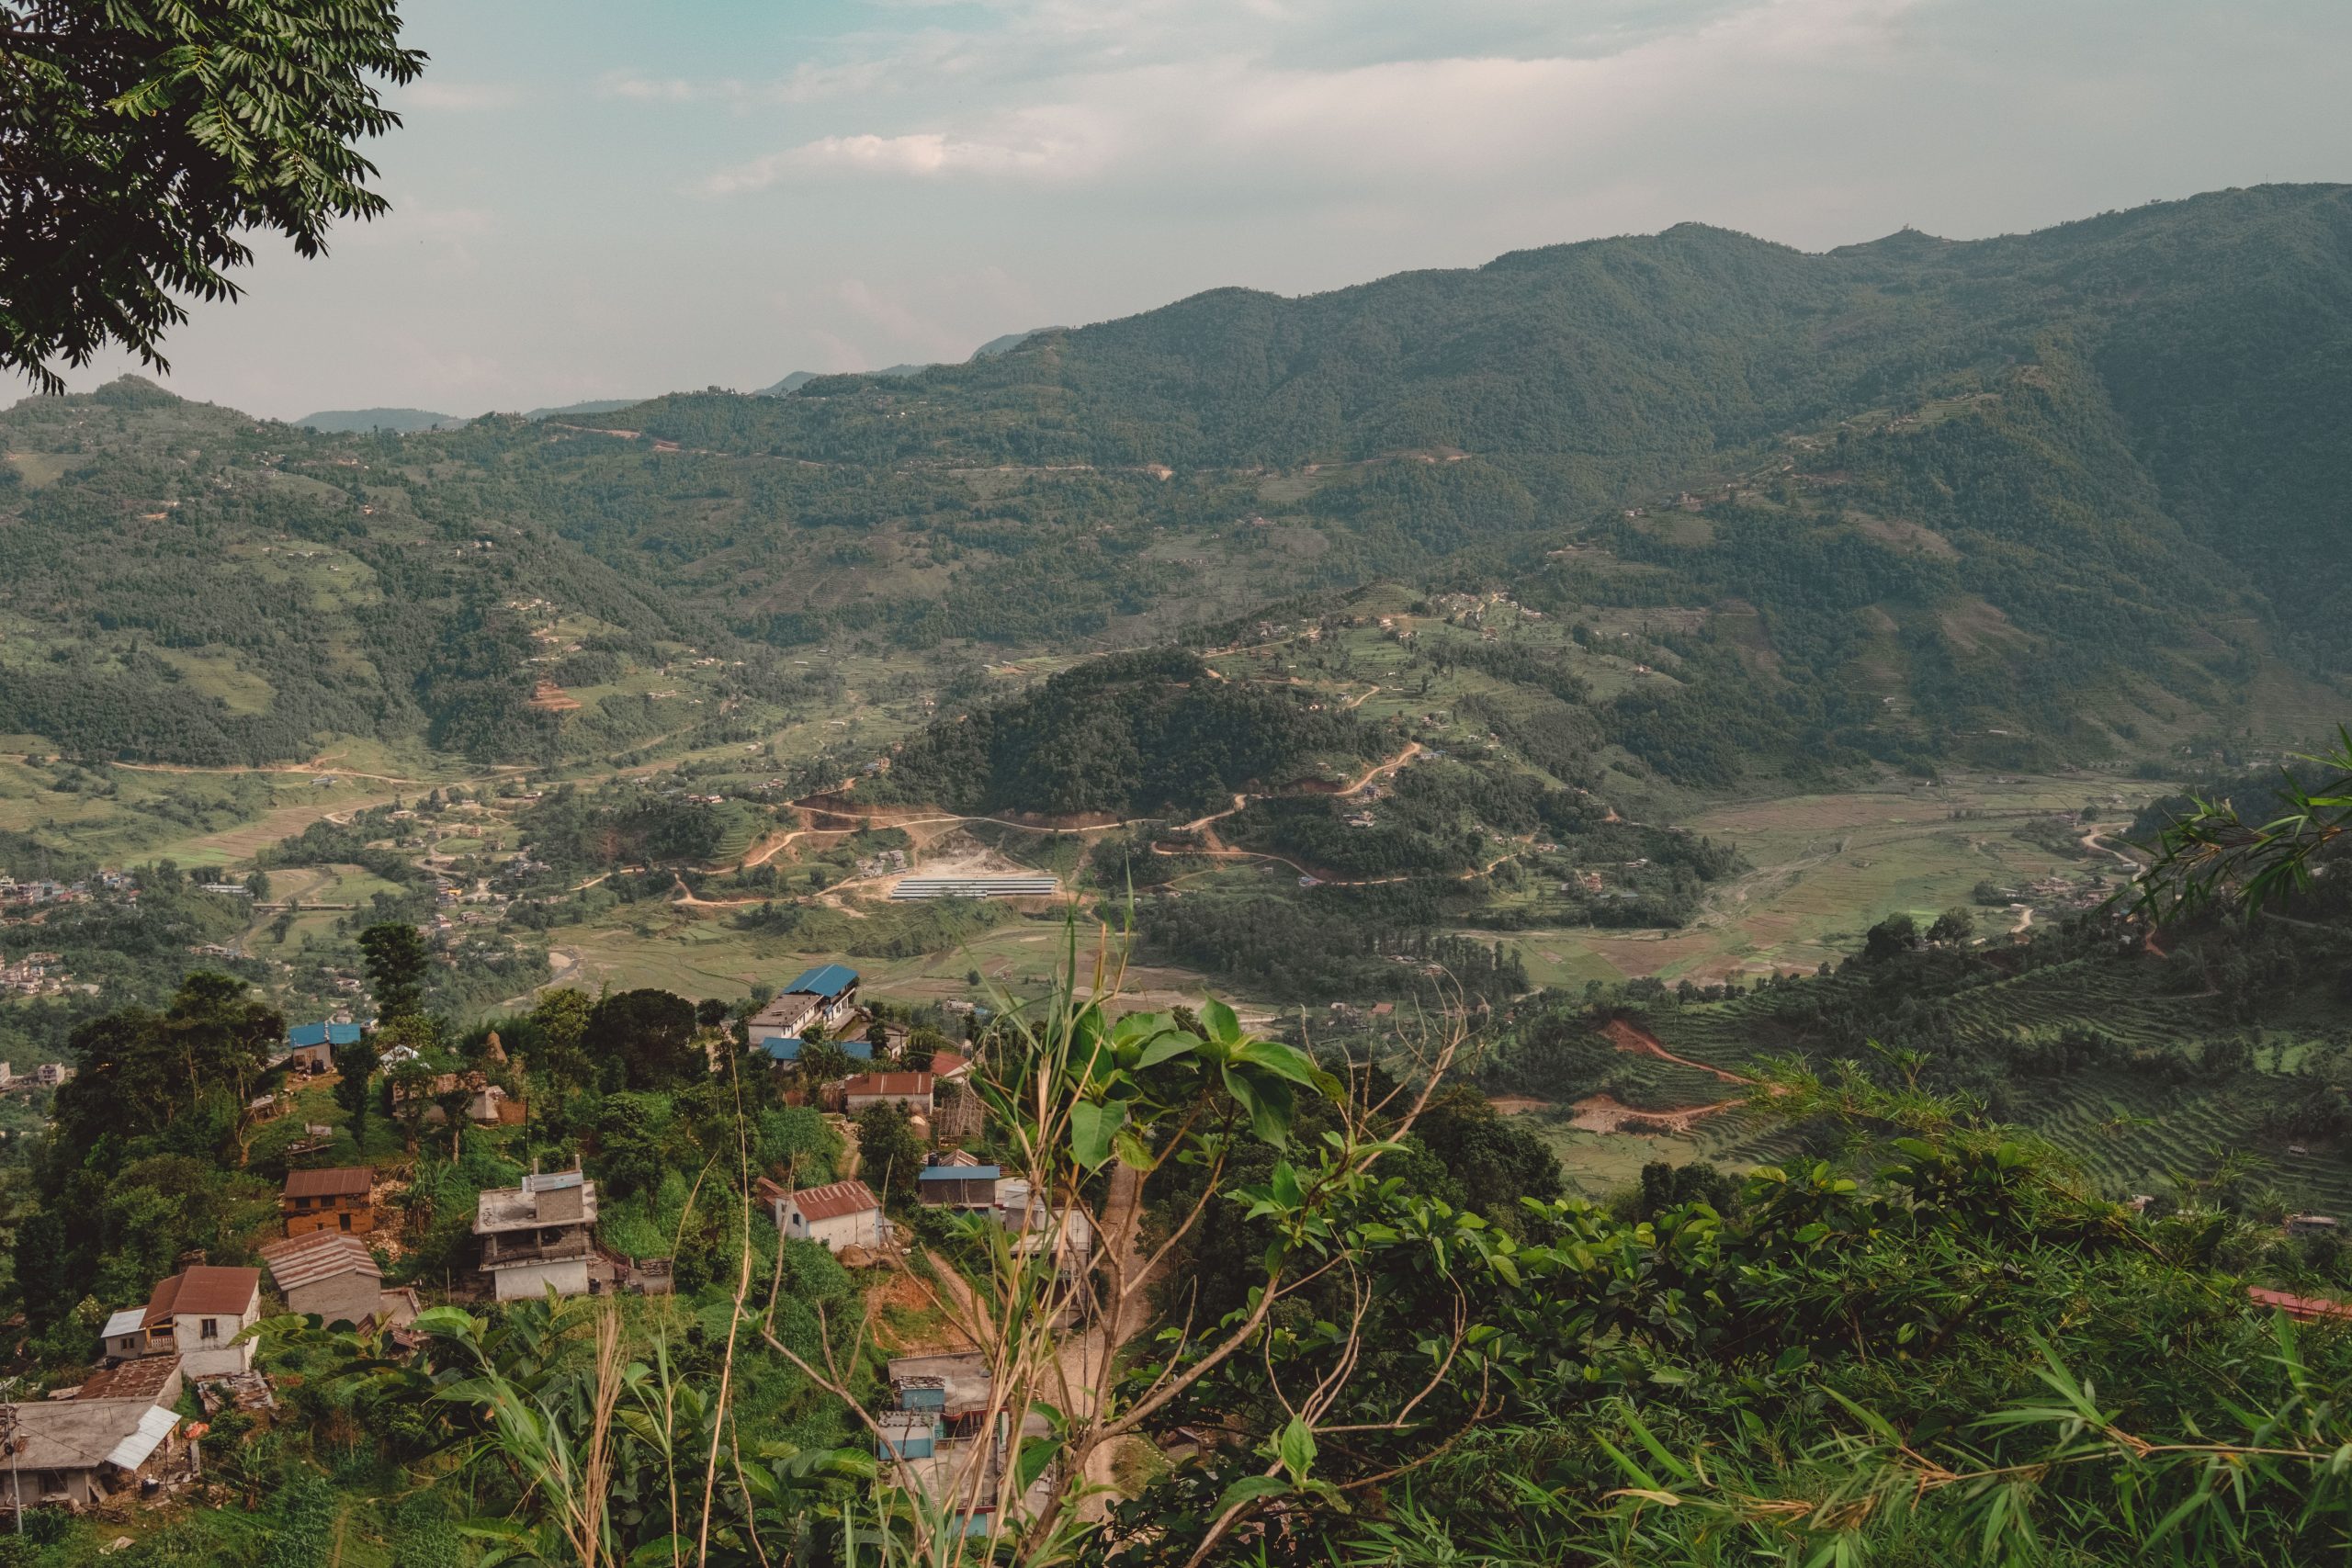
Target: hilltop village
{"points": [[875, 1131]]}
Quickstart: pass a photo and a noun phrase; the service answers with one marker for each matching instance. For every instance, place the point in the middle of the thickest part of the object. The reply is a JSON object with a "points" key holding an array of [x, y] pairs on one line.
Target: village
{"points": [[132, 1430]]}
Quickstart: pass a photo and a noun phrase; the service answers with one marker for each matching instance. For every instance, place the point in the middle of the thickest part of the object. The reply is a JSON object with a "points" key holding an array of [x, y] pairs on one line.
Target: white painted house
{"points": [[838, 1214], [196, 1315]]}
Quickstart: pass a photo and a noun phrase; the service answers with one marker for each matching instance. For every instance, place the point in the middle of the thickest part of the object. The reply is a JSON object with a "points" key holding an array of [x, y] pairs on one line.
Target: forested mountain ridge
{"points": [[2053, 495], [181, 583]]}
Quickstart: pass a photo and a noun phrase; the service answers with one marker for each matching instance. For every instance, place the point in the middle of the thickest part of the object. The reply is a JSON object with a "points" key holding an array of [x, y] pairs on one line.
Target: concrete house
{"points": [[912, 1090], [1063, 1232], [953, 1387], [311, 1047], [79, 1452], [197, 1315], [334, 1199], [838, 1214], [537, 1236], [826, 995], [326, 1274]]}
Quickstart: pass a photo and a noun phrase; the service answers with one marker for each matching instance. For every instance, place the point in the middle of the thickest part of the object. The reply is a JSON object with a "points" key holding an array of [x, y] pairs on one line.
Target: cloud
{"points": [[1047, 143], [670, 89], [1199, 108]]}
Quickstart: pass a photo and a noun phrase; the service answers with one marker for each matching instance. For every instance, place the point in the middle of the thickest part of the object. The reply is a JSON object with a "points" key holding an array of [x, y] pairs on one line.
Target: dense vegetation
{"points": [[1129, 734], [2012, 499]]}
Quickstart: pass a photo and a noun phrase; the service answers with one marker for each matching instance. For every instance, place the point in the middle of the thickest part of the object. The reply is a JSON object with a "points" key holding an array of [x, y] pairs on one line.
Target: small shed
{"points": [[957, 1180]]}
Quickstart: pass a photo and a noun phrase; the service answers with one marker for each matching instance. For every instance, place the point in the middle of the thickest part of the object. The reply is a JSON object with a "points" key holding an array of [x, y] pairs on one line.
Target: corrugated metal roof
{"points": [[959, 1173], [129, 1320], [787, 1048], [303, 1034], [322, 1254], [153, 1427], [340, 1181], [833, 1200], [145, 1378], [825, 980], [890, 1085], [205, 1287], [2309, 1309]]}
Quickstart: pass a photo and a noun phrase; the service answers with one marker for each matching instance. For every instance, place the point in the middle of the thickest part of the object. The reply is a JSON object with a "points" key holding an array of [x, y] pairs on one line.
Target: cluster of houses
{"points": [[35, 974], [118, 1434], [47, 1075]]}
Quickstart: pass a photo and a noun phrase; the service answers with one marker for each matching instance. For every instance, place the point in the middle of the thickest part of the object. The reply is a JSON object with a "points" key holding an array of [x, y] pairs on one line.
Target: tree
{"points": [[356, 1065], [257, 884], [412, 1093], [561, 1018], [396, 957], [142, 1071], [821, 1062], [889, 1155], [646, 1039], [1894, 935], [1955, 925], [710, 1012], [140, 140], [923, 1044]]}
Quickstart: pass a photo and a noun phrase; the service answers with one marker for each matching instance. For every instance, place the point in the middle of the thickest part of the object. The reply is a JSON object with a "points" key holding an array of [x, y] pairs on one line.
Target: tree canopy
{"points": [[139, 140]]}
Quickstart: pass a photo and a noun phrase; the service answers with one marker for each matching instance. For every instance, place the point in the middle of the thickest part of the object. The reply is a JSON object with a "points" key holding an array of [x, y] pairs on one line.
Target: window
{"points": [[209, 1329]]}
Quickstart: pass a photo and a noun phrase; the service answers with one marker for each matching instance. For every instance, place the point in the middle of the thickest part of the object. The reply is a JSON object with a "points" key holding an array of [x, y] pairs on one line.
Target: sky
{"points": [[594, 199]]}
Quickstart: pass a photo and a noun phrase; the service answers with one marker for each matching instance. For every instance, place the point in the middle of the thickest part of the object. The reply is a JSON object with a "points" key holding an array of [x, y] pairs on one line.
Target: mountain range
{"points": [[2071, 493]]}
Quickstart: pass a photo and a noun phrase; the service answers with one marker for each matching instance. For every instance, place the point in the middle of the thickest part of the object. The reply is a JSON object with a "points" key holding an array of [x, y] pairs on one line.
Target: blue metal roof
{"points": [[959, 1173], [787, 1048], [303, 1034], [343, 1034], [825, 980]]}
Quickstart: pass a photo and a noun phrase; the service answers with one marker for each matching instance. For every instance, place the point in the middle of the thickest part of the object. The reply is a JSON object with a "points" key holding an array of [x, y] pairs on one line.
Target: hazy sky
{"points": [[598, 199]]}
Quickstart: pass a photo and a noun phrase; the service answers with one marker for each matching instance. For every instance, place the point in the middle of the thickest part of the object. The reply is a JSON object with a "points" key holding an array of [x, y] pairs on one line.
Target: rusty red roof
{"points": [[833, 1200], [145, 1378], [206, 1288], [342, 1181], [890, 1085], [2309, 1309]]}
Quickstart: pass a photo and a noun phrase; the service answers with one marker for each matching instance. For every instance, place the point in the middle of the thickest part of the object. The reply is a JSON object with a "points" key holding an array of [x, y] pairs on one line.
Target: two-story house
{"points": [[334, 1199], [196, 1315]]}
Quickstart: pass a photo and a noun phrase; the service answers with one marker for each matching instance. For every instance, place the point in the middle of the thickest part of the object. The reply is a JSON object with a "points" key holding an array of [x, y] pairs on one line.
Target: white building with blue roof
{"points": [[826, 996]]}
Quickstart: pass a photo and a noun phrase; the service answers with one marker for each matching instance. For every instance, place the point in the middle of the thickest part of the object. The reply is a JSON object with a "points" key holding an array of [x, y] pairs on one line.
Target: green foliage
{"points": [[889, 1154], [645, 1039], [156, 136], [397, 959], [1128, 734]]}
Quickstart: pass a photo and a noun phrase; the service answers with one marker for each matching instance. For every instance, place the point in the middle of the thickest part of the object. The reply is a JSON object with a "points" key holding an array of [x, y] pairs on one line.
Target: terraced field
{"points": [[2132, 1129]]}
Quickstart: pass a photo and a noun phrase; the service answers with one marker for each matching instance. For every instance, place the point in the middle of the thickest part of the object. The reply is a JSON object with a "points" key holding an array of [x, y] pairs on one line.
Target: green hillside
{"points": [[2044, 498]]}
